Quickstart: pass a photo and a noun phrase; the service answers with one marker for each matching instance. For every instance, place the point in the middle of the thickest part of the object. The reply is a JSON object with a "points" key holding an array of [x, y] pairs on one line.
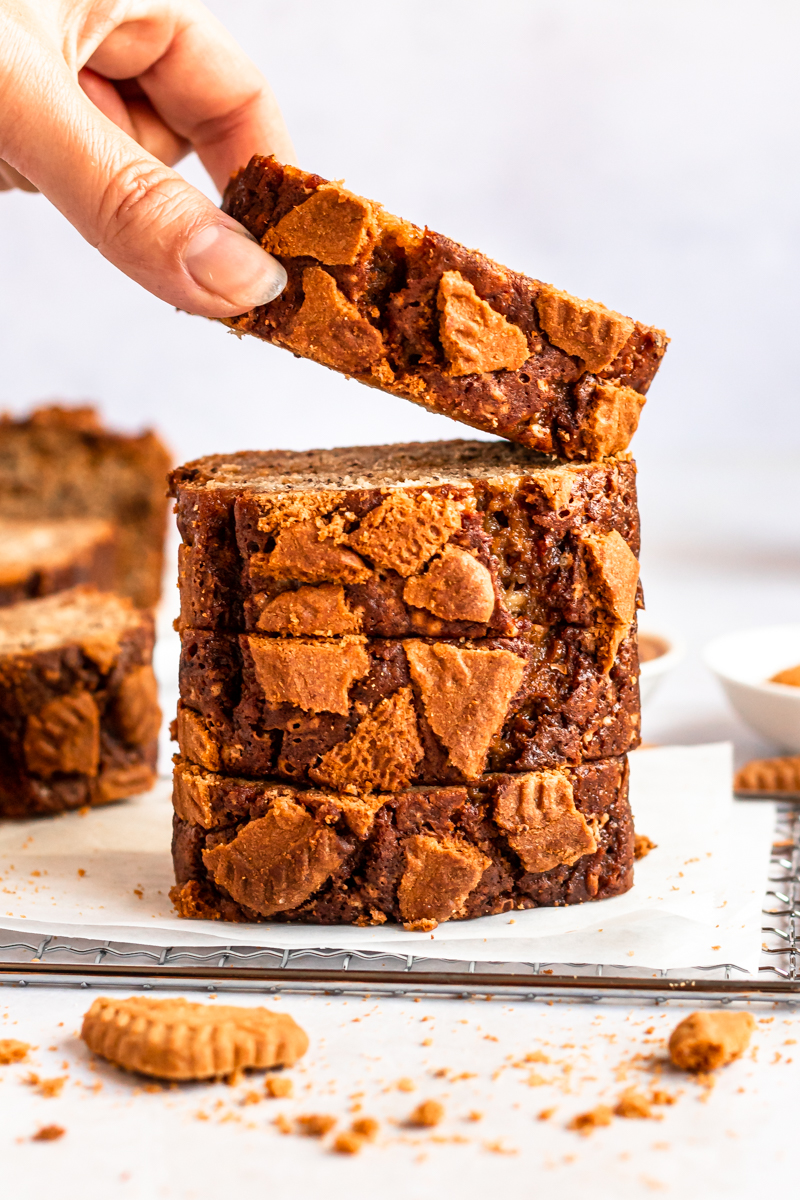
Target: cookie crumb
{"points": [[278, 1086], [642, 845], [366, 1127], [12, 1051], [584, 1123], [427, 1114], [474, 1116], [545, 1114], [348, 1143], [48, 1133], [315, 1124], [633, 1104], [282, 1124], [705, 1041], [405, 1085]]}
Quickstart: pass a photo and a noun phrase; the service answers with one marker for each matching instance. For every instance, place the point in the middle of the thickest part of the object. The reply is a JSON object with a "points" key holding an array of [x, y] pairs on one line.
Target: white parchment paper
{"points": [[696, 900]]}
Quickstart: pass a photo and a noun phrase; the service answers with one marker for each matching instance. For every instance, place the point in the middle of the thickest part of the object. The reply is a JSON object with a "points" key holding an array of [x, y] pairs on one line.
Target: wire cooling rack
{"points": [[75, 962]]}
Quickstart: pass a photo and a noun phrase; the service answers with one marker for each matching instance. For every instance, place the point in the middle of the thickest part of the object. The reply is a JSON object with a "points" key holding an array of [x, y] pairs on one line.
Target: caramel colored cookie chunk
{"points": [[582, 327], [790, 677], [314, 676], [12, 1051], [333, 225], [475, 337], [177, 1040], [769, 775], [614, 577], [544, 826], [64, 736], [613, 419], [136, 706], [331, 330], [382, 754], [707, 1040], [438, 877], [277, 861], [300, 554], [409, 311], [404, 531], [316, 611], [456, 587], [465, 695]]}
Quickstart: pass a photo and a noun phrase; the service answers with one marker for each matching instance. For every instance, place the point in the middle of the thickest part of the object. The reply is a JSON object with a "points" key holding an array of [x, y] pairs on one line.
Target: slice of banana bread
{"points": [[411, 312], [61, 462], [38, 558], [79, 715], [356, 714], [249, 850], [447, 539]]}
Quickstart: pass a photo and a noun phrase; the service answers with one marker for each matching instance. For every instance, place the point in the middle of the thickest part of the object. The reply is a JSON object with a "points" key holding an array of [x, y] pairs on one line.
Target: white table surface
{"points": [[701, 578]]}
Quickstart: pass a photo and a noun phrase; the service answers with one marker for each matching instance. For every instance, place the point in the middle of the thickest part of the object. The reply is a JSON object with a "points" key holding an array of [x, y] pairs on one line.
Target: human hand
{"points": [[100, 98]]}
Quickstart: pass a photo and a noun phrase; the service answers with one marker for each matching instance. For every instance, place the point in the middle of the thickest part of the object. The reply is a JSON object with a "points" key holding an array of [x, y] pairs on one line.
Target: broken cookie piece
{"points": [[705, 1041], [413, 313], [177, 1040]]}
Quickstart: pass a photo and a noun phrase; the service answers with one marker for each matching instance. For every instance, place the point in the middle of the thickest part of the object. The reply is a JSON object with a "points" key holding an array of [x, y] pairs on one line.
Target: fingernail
{"points": [[231, 264]]}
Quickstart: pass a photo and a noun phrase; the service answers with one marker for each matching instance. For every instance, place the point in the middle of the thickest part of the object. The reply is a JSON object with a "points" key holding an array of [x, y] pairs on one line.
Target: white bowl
{"points": [[743, 663], [653, 671]]}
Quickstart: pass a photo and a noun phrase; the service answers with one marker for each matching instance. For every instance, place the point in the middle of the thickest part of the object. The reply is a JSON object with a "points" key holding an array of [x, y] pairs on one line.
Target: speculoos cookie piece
{"points": [[411, 312], [79, 715], [177, 1040], [439, 539], [255, 850], [707, 1040]]}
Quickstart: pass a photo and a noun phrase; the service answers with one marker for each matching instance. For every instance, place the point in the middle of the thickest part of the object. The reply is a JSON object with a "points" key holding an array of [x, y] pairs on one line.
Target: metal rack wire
{"points": [[75, 962]]}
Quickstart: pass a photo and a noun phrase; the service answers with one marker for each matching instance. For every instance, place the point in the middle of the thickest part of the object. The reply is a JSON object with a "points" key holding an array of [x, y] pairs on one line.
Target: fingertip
{"points": [[228, 262]]}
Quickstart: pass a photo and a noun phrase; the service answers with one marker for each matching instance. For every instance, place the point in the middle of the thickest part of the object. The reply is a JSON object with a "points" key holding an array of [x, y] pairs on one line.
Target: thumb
{"points": [[141, 215]]}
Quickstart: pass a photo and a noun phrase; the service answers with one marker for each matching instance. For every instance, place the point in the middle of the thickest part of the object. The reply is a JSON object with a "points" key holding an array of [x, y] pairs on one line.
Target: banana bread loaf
{"points": [[38, 558], [79, 714], [446, 539], [411, 312], [254, 851], [61, 462], [354, 713]]}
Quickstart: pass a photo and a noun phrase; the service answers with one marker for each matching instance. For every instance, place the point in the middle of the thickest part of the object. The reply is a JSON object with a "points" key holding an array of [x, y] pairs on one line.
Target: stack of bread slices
{"points": [[409, 674]]}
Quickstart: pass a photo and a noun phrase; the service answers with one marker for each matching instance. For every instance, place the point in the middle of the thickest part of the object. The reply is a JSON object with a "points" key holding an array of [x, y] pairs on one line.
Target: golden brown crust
{"points": [[439, 875], [332, 225], [707, 1040], [174, 1039], [315, 676], [769, 775], [465, 694], [456, 587], [613, 420], [382, 754], [64, 737], [544, 826], [320, 611], [474, 337], [277, 861], [584, 328], [300, 554], [404, 531], [330, 329]]}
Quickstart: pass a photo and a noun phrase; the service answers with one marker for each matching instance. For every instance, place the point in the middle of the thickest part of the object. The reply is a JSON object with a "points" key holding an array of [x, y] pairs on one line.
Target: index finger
{"points": [[207, 90]]}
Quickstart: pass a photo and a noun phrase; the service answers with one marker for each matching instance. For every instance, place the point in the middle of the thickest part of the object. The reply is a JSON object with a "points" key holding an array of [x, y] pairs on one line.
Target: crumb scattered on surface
{"points": [[278, 1086], [427, 1114], [366, 1127], [49, 1133], [584, 1123], [315, 1124], [474, 1116], [705, 1041], [12, 1051], [405, 1085], [633, 1104], [282, 1123], [642, 845], [545, 1114], [348, 1143], [497, 1147]]}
